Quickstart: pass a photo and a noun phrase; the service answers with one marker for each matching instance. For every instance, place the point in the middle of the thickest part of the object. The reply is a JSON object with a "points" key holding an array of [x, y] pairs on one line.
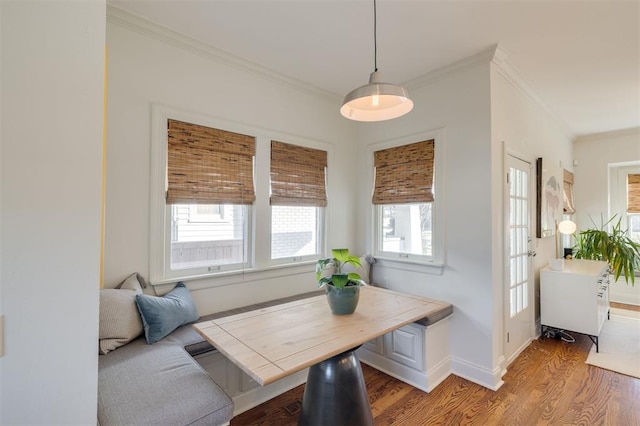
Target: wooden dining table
{"points": [[271, 343]]}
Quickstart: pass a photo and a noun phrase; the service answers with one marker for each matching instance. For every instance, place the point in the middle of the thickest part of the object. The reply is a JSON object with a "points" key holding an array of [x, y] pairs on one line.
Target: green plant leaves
{"points": [[340, 280], [614, 247], [342, 256]]}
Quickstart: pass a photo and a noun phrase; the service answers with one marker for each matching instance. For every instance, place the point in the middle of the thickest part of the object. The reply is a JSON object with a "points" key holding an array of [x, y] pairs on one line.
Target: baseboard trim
{"points": [[418, 379], [490, 379]]}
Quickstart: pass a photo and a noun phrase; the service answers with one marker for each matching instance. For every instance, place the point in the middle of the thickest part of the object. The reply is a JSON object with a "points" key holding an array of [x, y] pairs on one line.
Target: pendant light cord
{"points": [[375, 38]]}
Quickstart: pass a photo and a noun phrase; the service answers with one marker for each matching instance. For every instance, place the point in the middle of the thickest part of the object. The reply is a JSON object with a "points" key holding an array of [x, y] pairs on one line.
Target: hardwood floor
{"points": [[548, 384], [634, 308]]}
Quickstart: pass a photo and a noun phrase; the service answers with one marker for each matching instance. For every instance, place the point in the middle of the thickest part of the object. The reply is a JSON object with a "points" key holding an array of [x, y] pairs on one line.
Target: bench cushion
{"points": [[436, 316], [158, 384]]}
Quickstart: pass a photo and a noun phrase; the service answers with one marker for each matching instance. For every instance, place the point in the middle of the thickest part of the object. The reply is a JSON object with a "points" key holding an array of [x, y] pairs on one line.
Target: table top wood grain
{"points": [[271, 343]]}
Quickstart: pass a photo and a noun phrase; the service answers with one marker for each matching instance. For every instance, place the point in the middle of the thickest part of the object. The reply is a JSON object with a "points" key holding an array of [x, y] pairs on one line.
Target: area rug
{"points": [[619, 344]]}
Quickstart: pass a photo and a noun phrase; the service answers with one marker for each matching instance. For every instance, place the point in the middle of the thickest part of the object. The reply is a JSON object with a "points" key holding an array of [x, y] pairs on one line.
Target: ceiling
{"points": [[582, 58]]}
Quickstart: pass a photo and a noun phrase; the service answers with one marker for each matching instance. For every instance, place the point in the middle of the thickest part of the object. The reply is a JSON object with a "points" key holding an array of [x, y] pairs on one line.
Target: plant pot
{"points": [[342, 301]]}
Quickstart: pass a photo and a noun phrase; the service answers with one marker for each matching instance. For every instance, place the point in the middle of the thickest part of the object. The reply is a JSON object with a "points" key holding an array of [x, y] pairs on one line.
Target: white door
{"points": [[518, 251]]}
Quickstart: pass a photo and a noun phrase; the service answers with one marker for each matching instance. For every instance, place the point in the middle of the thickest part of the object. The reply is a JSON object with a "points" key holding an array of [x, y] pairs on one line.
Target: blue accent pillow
{"points": [[162, 315]]}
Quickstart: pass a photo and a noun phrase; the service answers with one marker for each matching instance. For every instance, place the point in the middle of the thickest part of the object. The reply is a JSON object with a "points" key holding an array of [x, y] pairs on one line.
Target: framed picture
{"points": [[548, 200]]}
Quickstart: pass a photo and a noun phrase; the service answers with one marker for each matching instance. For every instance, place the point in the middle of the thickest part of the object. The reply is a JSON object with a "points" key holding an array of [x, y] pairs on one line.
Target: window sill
{"points": [[221, 279], [433, 268]]}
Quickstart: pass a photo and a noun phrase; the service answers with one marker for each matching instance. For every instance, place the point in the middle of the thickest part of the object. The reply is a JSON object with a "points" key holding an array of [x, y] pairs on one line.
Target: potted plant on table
{"points": [[614, 247], [342, 288]]}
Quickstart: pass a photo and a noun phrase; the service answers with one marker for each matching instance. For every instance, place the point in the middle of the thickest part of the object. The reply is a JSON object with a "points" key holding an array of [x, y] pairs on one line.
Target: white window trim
{"points": [[259, 264], [160, 213], [617, 190], [435, 263]]}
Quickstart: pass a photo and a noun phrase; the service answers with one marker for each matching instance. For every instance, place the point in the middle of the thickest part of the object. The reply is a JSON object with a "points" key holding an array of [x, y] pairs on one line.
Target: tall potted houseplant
{"points": [[614, 247], [342, 289]]}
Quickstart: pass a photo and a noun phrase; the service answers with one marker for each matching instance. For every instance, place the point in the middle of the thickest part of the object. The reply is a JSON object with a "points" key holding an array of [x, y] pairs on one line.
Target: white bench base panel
{"points": [[244, 391], [415, 354]]}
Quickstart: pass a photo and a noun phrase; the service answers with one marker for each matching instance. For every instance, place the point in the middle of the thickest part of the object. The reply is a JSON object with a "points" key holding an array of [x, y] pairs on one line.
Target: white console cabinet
{"points": [[575, 298]]}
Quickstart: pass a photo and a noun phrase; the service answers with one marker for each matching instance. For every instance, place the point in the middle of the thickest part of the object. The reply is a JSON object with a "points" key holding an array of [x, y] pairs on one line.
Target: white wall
{"points": [[524, 128], [1, 311], [473, 104], [148, 65], [594, 154], [51, 143], [478, 109], [529, 131], [459, 104]]}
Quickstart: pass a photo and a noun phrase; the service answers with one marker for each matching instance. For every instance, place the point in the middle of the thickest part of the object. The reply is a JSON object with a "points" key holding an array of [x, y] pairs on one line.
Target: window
{"points": [[633, 206], [567, 193], [568, 206], [201, 238], [209, 191], [624, 196], [205, 213], [298, 196], [406, 229], [295, 232], [634, 227], [220, 212], [404, 199]]}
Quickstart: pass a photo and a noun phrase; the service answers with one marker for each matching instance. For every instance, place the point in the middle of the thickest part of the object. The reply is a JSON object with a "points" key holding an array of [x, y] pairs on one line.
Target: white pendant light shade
{"points": [[567, 227], [376, 101]]}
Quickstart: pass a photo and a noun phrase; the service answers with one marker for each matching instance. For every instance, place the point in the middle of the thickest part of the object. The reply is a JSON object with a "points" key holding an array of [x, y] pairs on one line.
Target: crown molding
{"points": [[482, 57], [632, 131], [513, 76], [498, 56], [150, 29]]}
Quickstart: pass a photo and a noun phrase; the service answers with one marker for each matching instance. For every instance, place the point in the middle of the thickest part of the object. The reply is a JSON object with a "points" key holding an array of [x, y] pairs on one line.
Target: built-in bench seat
{"points": [[162, 384], [159, 384], [418, 353]]}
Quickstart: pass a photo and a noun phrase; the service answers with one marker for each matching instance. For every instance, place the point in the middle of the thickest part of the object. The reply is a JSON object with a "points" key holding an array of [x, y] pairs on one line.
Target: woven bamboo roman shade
{"points": [[567, 189], [404, 174], [297, 175], [633, 193], [209, 166]]}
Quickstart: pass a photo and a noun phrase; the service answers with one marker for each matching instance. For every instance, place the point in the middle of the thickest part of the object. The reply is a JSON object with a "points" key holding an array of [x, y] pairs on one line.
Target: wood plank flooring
{"points": [[624, 306], [548, 384]]}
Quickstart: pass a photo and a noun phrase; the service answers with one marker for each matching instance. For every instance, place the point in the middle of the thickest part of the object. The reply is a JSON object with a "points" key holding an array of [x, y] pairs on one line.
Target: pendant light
{"points": [[376, 101]]}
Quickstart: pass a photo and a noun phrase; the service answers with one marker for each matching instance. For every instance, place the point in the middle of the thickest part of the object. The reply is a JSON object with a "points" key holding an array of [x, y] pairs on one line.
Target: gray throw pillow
{"points": [[120, 321], [162, 315]]}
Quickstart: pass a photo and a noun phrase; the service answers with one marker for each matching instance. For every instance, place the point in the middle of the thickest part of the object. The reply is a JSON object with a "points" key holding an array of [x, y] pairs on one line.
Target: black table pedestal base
{"points": [[335, 393]]}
